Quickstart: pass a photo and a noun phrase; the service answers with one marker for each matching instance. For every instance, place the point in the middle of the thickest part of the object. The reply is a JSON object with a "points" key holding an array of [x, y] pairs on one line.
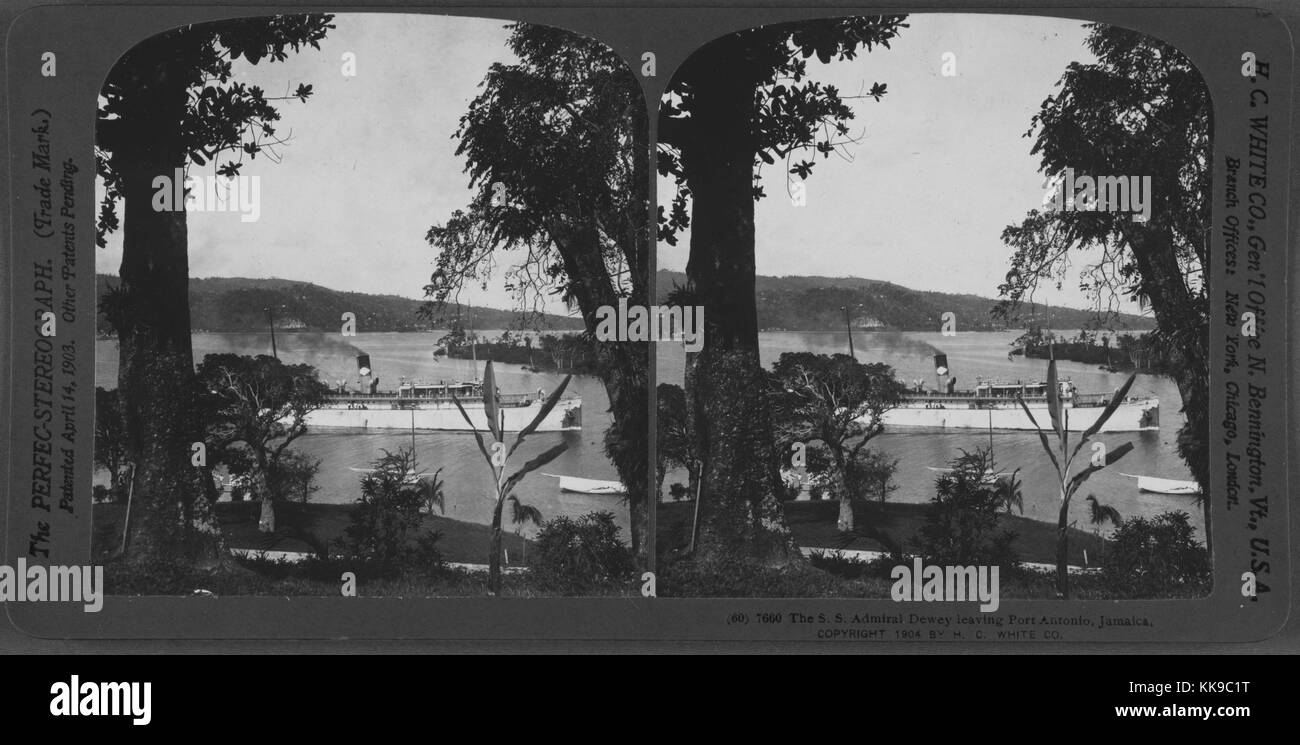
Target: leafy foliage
{"points": [[259, 405], [498, 458], [678, 446], [794, 117], [1062, 457], [549, 148], [577, 555], [556, 148], [110, 441], [215, 114], [832, 400], [1157, 557], [385, 531], [1142, 108], [962, 526]]}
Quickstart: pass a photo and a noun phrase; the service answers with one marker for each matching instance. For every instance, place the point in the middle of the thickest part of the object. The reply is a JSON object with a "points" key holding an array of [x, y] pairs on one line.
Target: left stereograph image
{"points": [[348, 267]]}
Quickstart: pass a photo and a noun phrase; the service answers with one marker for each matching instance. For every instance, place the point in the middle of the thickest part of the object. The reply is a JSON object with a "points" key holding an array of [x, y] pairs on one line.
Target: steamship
{"points": [[995, 404], [421, 406]]}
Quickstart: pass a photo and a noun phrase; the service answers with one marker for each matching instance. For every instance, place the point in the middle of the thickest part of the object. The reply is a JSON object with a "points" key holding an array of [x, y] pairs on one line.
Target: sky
{"points": [[371, 164], [942, 167]]}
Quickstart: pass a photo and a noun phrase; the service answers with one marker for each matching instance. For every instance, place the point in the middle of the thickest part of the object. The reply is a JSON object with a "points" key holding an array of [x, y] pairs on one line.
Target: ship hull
{"points": [[566, 416], [1131, 416]]}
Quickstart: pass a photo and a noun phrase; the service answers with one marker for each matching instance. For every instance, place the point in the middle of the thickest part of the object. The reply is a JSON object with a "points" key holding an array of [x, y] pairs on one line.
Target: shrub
{"points": [[1157, 557], [679, 492], [962, 525], [579, 555], [293, 477], [741, 578], [385, 531]]}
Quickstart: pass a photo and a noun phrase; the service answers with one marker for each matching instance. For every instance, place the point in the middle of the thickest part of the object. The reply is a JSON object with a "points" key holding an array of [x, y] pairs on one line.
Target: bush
{"points": [[293, 477], [1157, 557], [679, 492], [962, 526], [578, 555], [385, 531], [741, 578]]}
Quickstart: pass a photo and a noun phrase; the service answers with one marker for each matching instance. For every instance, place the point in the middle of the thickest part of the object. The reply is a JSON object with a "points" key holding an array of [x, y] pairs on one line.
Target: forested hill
{"points": [[238, 304], [814, 304]]}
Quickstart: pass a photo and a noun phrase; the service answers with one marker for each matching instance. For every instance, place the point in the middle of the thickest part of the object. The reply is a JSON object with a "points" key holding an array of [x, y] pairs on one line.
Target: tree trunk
{"points": [[494, 552], [740, 510], [1181, 319], [1063, 550], [262, 482], [155, 373], [623, 369], [845, 521]]}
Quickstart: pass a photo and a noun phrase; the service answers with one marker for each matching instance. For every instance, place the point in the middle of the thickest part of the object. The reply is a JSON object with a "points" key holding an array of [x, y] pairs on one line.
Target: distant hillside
{"points": [[814, 303], [238, 304]]}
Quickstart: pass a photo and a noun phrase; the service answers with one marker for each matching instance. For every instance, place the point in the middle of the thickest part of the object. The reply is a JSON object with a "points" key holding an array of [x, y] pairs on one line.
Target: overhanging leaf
{"points": [[1111, 407], [490, 406], [1054, 399], [1085, 474], [549, 404], [532, 465], [478, 436], [1042, 436]]}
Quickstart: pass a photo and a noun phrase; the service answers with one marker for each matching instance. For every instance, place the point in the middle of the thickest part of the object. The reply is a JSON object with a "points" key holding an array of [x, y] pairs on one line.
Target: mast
{"points": [[848, 326], [270, 318]]}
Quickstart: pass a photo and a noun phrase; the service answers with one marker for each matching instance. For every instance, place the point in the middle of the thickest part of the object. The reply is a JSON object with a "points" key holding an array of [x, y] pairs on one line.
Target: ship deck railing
{"points": [[507, 400], [972, 401]]}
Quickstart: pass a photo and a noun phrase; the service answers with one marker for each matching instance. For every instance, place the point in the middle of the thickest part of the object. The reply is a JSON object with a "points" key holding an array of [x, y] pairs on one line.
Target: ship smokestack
{"points": [[941, 364], [363, 364]]}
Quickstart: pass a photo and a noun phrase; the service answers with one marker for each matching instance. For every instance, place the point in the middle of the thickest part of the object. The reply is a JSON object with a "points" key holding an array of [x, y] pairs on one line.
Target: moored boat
{"points": [[421, 406], [1154, 485], [588, 486], [996, 405]]}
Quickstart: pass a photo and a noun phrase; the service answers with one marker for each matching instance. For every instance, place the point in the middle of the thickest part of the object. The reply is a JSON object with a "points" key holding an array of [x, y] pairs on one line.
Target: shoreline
{"points": [[887, 527], [459, 542]]}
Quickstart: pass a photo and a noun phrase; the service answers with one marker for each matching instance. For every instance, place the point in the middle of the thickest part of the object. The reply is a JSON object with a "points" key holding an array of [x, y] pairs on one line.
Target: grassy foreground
{"points": [[890, 527], [299, 524], [301, 527]]}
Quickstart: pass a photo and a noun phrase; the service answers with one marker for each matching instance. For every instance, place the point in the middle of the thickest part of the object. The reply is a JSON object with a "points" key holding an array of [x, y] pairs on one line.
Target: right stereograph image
{"points": [[955, 312]]}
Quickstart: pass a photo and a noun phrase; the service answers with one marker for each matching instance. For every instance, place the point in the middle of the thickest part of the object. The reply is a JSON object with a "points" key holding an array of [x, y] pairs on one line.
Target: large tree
{"points": [[557, 152], [169, 102], [258, 406], [1140, 109], [740, 102], [838, 402]]}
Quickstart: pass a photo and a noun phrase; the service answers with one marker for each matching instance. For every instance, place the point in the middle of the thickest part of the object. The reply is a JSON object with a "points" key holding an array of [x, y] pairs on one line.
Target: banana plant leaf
{"points": [[1115, 401], [478, 436], [490, 407], [532, 465], [1111, 457], [550, 403], [1042, 436], [1054, 400]]}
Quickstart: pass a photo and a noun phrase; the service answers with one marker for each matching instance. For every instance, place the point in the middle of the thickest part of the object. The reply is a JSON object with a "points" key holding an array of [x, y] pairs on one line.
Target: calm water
{"points": [[468, 482], [973, 354], [468, 485]]}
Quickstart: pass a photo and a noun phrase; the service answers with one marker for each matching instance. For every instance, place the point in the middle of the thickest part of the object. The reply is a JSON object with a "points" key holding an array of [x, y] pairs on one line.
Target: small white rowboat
{"points": [[1165, 486], [588, 486]]}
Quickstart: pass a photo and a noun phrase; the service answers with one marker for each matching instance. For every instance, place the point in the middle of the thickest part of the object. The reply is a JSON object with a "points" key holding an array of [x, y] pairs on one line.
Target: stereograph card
{"points": [[864, 325]]}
